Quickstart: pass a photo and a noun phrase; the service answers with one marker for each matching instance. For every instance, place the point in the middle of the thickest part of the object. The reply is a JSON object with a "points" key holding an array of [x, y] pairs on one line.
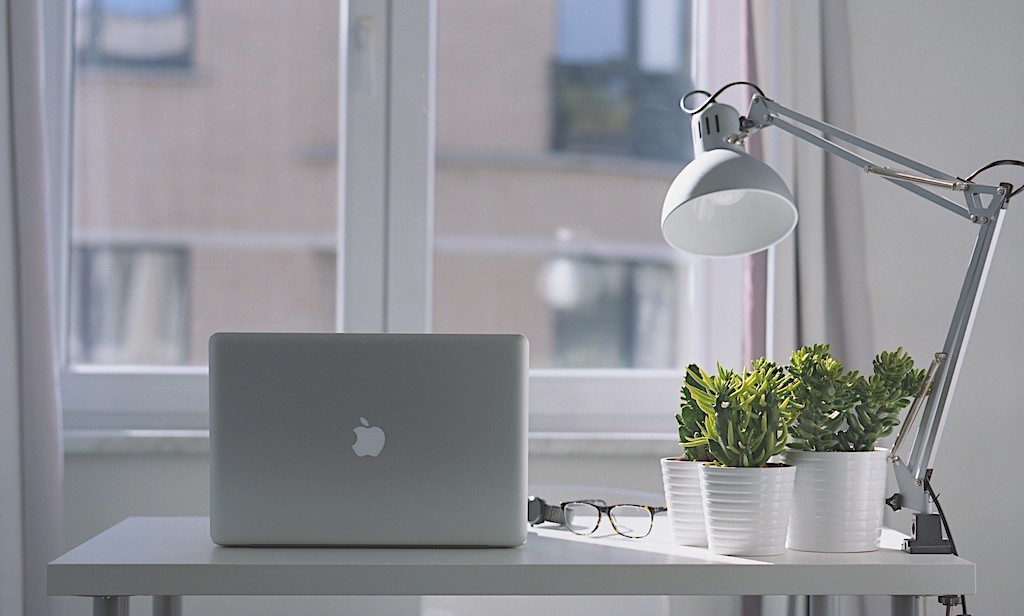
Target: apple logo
{"points": [[369, 441]]}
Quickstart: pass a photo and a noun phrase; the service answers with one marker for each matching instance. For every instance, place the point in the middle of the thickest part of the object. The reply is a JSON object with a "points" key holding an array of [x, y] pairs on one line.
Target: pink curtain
{"points": [[755, 266]]}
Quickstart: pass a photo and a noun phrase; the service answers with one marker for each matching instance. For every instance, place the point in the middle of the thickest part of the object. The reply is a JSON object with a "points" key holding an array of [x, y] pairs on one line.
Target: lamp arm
{"points": [[765, 112], [911, 474]]}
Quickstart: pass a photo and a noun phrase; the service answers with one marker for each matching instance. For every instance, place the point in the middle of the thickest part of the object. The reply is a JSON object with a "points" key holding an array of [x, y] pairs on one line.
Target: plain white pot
{"points": [[747, 509], [685, 505], [837, 501]]}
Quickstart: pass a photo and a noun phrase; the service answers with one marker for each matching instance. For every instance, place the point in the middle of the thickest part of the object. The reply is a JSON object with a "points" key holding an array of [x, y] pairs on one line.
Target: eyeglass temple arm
{"points": [[910, 474]]}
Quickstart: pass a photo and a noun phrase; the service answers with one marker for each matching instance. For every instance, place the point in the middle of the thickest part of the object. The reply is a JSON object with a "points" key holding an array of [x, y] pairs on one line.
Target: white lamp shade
{"points": [[727, 203]]}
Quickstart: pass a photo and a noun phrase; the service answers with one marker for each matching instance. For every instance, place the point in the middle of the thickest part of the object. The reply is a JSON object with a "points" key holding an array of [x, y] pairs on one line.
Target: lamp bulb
{"points": [[725, 197]]}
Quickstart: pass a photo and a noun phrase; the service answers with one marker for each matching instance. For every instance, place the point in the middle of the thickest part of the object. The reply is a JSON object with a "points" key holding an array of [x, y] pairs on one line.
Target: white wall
{"points": [[941, 83]]}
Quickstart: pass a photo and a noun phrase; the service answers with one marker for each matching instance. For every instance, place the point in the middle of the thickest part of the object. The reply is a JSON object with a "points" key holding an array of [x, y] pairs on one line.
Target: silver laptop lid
{"points": [[368, 439]]}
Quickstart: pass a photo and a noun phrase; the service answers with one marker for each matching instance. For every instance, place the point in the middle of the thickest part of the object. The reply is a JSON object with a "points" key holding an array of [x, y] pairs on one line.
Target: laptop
{"points": [[368, 439]]}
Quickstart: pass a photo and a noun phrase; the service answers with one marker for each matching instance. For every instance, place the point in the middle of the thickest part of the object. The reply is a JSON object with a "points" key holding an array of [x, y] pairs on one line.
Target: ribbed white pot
{"points": [[747, 509], [685, 505], [838, 499]]}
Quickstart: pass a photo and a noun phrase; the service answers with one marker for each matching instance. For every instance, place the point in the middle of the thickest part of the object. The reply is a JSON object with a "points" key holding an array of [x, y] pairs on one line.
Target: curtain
{"points": [[817, 289], [820, 291], [31, 488], [755, 266]]}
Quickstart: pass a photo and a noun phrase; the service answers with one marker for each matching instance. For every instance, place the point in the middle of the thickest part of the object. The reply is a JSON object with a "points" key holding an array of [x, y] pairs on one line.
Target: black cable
{"points": [[997, 163], [712, 97], [945, 524], [942, 516]]}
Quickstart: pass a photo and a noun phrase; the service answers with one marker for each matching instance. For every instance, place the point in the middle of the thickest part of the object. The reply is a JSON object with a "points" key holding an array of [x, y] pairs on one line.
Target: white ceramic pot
{"points": [[747, 509], [837, 501], [685, 505]]}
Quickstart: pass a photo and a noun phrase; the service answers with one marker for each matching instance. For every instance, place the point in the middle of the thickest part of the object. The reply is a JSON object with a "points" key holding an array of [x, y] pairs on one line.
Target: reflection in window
{"points": [[131, 305], [215, 167], [567, 248], [135, 33], [619, 69], [611, 313]]}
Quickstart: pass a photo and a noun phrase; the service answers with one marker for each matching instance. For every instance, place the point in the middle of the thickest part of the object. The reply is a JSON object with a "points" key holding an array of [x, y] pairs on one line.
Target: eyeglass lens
{"points": [[631, 521], [582, 518]]}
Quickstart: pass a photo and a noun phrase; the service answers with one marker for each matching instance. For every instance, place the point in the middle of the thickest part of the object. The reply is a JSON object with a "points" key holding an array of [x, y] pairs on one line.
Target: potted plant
{"points": [[840, 475], [746, 419], [681, 476]]}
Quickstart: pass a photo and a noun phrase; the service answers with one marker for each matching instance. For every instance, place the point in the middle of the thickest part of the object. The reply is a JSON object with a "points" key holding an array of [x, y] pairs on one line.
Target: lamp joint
{"points": [[895, 501]]}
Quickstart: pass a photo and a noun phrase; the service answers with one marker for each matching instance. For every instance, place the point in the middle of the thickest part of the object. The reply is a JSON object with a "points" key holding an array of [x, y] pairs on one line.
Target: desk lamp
{"points": [[728, 203]]}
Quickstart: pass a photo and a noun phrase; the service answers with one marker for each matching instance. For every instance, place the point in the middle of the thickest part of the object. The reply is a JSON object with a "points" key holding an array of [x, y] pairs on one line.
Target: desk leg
{"points": [[110, 606], [908, 605], [166, 605], [823, 605]]}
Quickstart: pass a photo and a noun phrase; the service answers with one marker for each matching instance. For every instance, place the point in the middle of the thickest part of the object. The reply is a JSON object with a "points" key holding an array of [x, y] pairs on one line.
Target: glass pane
{"points": [[631, 521], [204, 190], [132, 306], [558, 134], [582, 518]]}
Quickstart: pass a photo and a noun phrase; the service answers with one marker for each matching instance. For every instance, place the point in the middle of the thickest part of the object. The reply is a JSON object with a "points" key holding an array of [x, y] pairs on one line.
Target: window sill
{"points": [[128, 73], [197, 442]]}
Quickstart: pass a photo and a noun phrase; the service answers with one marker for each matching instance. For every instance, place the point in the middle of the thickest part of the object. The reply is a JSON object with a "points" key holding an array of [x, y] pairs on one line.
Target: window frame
{"points": [[385, 250]]}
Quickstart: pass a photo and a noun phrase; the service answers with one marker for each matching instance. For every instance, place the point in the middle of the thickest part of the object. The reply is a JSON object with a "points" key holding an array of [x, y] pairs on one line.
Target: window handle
{"points": [[364, 56]]}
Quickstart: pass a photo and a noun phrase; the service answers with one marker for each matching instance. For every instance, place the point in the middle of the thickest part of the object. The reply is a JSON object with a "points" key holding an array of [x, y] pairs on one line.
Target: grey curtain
{"points": [[755, 266], [30, 509], [848, 324], [820, 283]]}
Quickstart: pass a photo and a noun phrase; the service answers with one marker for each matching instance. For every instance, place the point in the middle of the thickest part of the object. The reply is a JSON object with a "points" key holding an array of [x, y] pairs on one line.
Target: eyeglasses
{"points": [[634, 521]]}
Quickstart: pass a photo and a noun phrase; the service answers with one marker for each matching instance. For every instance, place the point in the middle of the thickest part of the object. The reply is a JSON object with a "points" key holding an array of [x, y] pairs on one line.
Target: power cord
{"points": [[997, 163], [945, 525], [711, 97]]}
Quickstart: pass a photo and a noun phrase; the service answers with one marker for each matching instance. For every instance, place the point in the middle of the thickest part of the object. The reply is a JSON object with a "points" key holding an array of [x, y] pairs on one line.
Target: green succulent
{"points": [[825, 393], [746, 416], [844, 411], [881, 397], [691, 418]]}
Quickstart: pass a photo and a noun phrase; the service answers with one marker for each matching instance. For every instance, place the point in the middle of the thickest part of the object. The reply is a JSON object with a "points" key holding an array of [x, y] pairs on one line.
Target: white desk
{"points": [[171, 557]]}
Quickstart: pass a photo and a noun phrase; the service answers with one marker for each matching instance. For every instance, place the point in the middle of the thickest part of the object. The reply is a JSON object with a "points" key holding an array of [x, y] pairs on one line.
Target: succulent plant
{"points": [[691, 418], [825, 392], [881, 397], [844, 411], [746, 416]]}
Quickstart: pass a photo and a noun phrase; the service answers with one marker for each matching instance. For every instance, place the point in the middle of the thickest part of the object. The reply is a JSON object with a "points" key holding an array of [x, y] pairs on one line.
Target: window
{"points": [[231, 199], [546, 212], [200, 200], [131, 305], [617, 73], [135, 33], [611, 313]]}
